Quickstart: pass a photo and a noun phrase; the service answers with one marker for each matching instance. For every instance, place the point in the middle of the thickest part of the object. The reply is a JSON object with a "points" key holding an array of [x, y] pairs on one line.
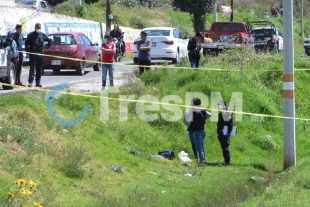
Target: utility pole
{"points": [[232, 10], [215, 12], [108, 20], [302, 19], [78, 3], [288, 87]]}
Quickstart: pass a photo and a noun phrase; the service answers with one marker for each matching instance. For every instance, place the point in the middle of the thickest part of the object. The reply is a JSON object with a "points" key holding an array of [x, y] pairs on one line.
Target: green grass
{"points": [[71, 164]]}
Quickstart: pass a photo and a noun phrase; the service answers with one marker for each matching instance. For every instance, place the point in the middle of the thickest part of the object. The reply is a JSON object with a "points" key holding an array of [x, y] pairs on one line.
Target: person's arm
{"points": [[230, 125], [147, 48], [189, 45], [27, 43], [219, 124], [208, 114], [108, 51]]}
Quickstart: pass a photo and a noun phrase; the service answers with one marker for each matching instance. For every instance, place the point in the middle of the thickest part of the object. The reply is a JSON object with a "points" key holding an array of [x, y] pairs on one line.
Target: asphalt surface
{"points": [[50, 79]]}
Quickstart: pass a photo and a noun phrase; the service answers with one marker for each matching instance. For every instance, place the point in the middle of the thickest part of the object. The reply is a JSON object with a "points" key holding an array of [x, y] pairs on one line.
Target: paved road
{"points": [[50, 78]]}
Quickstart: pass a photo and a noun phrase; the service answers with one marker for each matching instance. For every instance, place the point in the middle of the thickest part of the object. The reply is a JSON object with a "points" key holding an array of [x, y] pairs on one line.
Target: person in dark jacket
{"points": [[1, 42], [18, 37], [194, 48], [117, 33], [224, 128], [34, 44], [195, 119]]}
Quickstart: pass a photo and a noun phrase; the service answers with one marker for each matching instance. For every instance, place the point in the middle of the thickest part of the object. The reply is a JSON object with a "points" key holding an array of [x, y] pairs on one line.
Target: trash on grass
{"points": [[116, 168], [184, 157]]}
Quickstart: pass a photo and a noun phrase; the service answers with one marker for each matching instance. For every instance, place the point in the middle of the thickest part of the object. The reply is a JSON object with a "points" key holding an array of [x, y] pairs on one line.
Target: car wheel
{"points": [[55, 70], [176, 59], [135, 60], [11, 77], [80, 69], [97, 66]]}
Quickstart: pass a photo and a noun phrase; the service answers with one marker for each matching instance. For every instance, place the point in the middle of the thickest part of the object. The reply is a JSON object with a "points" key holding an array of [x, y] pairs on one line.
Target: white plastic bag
{"points": [[184, 157]]}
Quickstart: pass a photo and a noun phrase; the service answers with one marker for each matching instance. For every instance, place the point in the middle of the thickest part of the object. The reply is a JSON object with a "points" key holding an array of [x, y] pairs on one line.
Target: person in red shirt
{"points": [[108, 50]]}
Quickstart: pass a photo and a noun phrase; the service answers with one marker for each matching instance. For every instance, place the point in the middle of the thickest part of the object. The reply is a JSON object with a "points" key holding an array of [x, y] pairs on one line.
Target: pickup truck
{"points": [[266, 36], [226, 35], [7, 67]]}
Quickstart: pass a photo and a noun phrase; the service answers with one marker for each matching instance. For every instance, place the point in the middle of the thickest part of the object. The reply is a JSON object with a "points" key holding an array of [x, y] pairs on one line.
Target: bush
{"points": [[82, 11], [137, 22], [66, 6], [127, 3]]}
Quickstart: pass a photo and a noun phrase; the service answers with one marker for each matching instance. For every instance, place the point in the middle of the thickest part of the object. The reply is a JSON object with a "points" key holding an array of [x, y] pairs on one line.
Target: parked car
{"points": [[7, 66], [167, 44], [37, 4], [73, 45], [267, 37], [307, 46]]}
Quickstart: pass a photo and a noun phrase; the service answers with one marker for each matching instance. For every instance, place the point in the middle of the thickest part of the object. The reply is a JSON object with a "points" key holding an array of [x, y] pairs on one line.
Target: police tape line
{"points": [[156, 102], [158, 66]]}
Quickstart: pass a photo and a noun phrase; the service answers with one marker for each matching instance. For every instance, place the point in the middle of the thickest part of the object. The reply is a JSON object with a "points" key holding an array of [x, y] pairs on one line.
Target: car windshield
{"points": [[156, 32], [62, 39], [28, 2], [260, 32]]}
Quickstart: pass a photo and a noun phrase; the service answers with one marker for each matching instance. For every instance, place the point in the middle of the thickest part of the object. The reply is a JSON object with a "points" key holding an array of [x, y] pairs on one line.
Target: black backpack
{"points": [[169, 154]]}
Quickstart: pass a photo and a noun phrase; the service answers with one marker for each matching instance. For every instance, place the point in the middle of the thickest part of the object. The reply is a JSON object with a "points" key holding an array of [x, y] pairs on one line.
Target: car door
{"points": [[280, 36], [83, 48], [183, 45], [92, 50], [178, 41]]}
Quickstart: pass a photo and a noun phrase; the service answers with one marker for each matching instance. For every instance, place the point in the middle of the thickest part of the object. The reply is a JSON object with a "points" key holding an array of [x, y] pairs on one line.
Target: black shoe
{"points": [[30, 84], [38, 84]]}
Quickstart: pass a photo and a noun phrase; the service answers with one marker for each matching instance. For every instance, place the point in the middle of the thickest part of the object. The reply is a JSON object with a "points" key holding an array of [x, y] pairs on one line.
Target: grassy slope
{"points": [[43, 147]]}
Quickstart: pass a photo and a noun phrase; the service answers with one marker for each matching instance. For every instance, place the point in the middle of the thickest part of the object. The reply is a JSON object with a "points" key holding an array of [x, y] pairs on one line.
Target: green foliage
{"points": [[65, 6], [127, 3], [137, 22], [82, 11], [91, 1], [72, 158]]}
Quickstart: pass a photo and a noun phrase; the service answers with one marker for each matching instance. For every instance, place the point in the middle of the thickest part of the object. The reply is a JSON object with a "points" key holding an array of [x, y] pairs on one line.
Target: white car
{"points": [[307, 46], [167, 44], [37, 4]]}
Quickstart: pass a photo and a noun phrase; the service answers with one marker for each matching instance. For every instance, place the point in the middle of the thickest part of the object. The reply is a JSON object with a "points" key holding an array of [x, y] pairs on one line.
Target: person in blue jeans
{"points": [[108, 50], [195, 119], [194, 47]]}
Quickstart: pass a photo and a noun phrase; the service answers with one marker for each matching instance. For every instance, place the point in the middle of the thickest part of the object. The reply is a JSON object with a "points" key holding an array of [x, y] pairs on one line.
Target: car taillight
{"points": [[272, 40], [168, 42], [135, 42], [306, 41], [72, 52]]}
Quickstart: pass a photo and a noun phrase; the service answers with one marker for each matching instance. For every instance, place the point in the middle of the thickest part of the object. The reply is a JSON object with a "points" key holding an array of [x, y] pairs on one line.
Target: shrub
{"points": [[137, 22], [81, 11]]}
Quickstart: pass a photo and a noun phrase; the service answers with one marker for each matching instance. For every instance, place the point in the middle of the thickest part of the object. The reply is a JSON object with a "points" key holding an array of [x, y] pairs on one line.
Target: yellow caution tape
{"points": [[154, 102]]}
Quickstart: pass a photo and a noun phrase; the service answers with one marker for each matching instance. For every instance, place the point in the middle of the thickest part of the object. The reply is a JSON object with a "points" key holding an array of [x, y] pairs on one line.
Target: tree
{"points": [[198, 10]]}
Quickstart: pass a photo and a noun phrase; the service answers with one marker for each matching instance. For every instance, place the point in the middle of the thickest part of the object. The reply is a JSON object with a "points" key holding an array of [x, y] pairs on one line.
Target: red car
{"points": [[71, 46]]}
